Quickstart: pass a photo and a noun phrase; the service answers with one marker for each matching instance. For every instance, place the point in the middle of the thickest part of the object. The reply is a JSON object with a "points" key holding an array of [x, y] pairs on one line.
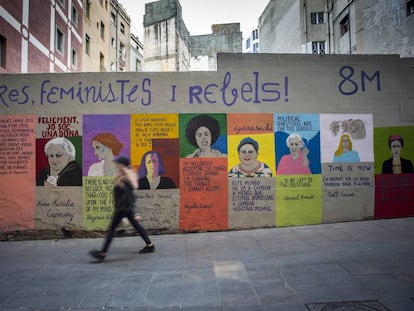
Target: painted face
{"points": [[345, 142], [203, 137], [247, 154], [152, 164], [100, 150], [294, 146], [396, 148], [58, 158]]}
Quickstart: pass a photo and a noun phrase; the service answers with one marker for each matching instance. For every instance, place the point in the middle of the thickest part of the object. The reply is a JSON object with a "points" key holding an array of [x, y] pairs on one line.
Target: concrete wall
{"points": [[209, 186], [160, 42], [225, 38], [386, 28], [280, 27], [169, 46], [166, 38], [376, 27]]}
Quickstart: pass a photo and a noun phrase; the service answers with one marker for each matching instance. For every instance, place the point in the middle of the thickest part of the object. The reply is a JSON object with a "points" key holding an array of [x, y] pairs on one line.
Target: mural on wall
{"points": [[298, 179], [251, 163], [17, 160], [211, 150], [347, 166], [105, 137], [155, 154], [271, 169], [394, 174], [59, 172], [203, 163]]}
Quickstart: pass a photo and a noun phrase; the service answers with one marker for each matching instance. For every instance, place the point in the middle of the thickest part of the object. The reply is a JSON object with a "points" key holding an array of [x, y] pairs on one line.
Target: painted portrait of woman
{"points": [[296, 162], [63, 170], [396, 164], [150, 173], [202, 132], [344, 153], [106, 147], [249, 166]]}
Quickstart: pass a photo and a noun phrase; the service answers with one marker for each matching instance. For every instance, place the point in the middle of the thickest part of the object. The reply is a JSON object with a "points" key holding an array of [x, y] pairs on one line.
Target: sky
{"points": [[199, 15]]}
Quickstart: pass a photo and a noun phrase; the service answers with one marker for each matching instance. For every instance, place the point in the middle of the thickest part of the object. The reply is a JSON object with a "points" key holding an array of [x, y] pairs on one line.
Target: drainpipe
{"points": [[349, 36], [328, 20], [116, 42], [305, 26]]}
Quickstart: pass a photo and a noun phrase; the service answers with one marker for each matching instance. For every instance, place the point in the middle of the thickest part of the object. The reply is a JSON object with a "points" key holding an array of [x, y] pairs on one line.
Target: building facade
{"points": [[47, 42], [96, 35], [136, 54], [166, 38], [251, 43], [169, 46], [120, 35], [338, 27], [373, 27], [225, 38], [294, 26]]}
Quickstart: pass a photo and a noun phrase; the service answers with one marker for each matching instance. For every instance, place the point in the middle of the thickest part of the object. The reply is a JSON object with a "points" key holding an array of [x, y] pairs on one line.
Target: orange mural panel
{"points": [[17, 172], [248, 124], [203, 199]]}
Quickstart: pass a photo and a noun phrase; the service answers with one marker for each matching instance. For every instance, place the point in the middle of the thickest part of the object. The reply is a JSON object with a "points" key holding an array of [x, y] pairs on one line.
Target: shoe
{"points": [[97, 255], [147, 249]]}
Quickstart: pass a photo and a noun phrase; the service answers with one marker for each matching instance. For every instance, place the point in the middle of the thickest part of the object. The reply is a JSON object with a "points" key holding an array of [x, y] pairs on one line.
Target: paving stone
{"points": [[263, 269], [348, 305]]}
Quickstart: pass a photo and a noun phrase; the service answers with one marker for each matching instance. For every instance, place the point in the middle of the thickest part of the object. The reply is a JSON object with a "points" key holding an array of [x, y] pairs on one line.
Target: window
{"points": [[122, 53], [101, 2], [317, 18], [248, 43], [122, 28], [113, 42], [74, 16], [137, 64], [87, 8], [74, 59], [255, 34], [113, 18], [318, 47], [344, 24], [102, 61], [102, 31], [60, 40], [410, 7], [2, 51], [256, 48], [87, 44], [106, 5]]}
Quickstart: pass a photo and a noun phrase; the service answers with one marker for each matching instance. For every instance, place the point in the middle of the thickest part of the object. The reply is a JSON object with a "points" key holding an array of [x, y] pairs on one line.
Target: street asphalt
{"points": [[366, 265]]}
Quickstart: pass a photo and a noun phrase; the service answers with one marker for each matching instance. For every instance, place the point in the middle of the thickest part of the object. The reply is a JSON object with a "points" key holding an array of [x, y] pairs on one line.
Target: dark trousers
{"points": [[116, 219]]}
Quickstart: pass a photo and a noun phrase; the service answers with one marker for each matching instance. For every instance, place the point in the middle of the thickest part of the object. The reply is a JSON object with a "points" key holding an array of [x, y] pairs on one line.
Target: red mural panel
{"points": [[204, 193], [17, 171], [394, 195]]}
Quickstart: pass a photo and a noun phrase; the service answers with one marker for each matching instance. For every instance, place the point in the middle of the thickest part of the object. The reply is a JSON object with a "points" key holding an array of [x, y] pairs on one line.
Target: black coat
{"points": [[124, 197], [406, 166], [71, 175]]}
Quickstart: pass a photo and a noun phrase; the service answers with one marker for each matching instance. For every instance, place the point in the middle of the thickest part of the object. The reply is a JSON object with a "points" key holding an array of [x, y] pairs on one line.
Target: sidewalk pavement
{"points": [[367, 265]]}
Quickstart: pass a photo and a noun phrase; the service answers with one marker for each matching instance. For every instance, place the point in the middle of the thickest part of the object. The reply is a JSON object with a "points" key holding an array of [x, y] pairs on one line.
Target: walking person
{"points": [[124, 199]]}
